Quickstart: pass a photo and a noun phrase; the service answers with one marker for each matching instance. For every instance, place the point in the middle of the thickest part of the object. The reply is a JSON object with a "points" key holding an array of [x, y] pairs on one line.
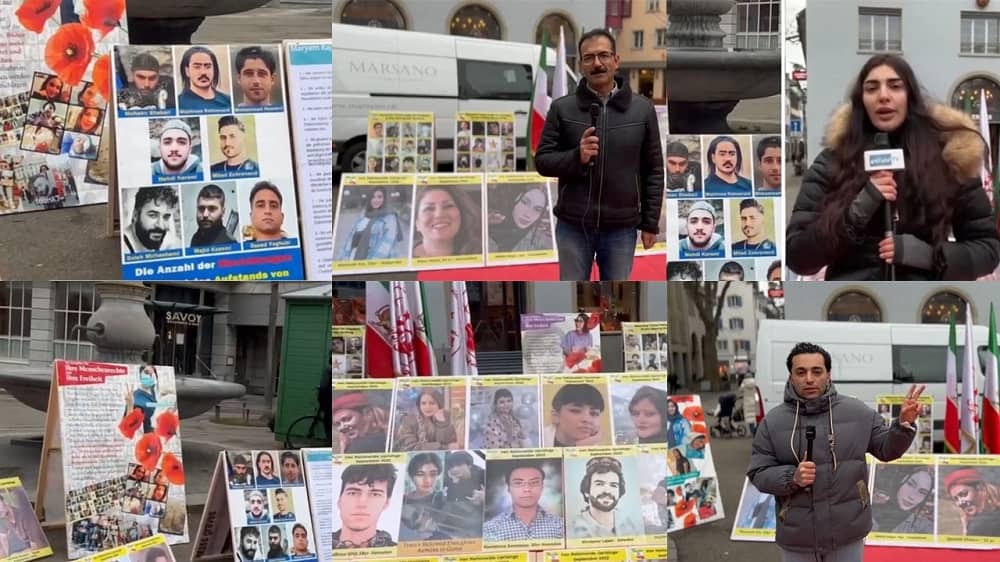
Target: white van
{"points": [[378, 69], [868, 359]]}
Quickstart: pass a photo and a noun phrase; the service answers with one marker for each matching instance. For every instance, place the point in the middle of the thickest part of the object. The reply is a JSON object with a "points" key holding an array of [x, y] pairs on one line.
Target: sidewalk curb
{"points": [[672, 554]]}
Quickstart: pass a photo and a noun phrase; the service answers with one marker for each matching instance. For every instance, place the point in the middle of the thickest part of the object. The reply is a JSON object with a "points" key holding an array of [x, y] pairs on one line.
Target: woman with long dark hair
{"points": [[428, 427], [944, 224], [903, 500], [503, 429], [447, 223], [648, 409], [523, 227], [375, 234]]}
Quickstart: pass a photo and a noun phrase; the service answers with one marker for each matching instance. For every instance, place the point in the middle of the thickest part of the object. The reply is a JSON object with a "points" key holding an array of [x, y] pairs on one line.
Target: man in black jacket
{"points": [[611, 175]]}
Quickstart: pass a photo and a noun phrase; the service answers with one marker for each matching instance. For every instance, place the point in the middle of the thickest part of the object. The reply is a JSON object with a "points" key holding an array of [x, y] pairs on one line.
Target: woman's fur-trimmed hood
{"points": [[963, 149]]}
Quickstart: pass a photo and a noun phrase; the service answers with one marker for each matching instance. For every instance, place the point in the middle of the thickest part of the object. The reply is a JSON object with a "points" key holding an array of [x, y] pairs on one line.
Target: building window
{"points": [[758, 25], [637, 39], [969, 92], [661, 37], [880, 29], [550, 25], [741, 345], [735, 323], [492, 80], [495, 312], [616, 302], [722, 345], [15, 319], [980, 34], [734, 301], [941, 306], [474, 20], [73, 305], [652, 5], [853, 306], [373, 13]]}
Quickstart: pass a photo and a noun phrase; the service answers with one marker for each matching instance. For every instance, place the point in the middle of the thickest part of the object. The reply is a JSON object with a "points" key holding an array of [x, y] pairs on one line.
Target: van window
{"points": [[924, 364], [494, 80]]}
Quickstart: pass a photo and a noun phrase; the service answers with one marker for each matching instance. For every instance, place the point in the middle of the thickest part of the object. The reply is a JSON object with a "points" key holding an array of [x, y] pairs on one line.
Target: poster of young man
{"points": [[448, 221], [561, 343], [698, 231], [127, 416], [732, 270], [503, 412], [757, 228], [443, 504], [367, 507], [362, 412], [575, 411], [151, 549], [683, 160], [756, 517], [371, 226], [54, 87], [151, 223], [484, 142], [202, 141], [400, 142], [903, 501], [889, 405], [520, 227], [268, 506], [686, 270], [768, 165], [968, 511], [642, 339], [524, 500], [21, 536], [603, 508], [348, 350], [728, 164], [211, 221], [257, 78], [639, 408], [430, 414]]}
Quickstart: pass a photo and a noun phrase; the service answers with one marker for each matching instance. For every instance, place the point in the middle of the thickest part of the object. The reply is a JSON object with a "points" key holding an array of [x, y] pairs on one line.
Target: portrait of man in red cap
{"points": [[359, 425], [977, 499]]}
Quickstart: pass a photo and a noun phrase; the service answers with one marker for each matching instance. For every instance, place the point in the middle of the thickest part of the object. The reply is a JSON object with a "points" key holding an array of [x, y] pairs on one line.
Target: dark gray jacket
{"points": [[837, 510], [625, 186]]}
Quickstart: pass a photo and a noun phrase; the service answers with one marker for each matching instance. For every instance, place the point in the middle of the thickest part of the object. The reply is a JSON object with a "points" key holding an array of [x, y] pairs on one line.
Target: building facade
{"points": [[642, 45], [207, 329], [737, 337], [952, 45]]}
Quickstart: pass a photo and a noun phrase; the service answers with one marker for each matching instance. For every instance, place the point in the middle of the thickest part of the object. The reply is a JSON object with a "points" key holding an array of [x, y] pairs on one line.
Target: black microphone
{"points": [[595, 114], [884, 157], [810, 436]]}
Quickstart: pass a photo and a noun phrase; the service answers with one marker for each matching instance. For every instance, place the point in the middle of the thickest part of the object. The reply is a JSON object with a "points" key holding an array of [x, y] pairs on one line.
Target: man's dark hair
{"points": [[261, 186], [766, 143], [803, 348], [212, 191], [602, 465], [255, 52], [249, 531], [751, 203], [457, 458], [289, 455], [528, 463], [776, 264], [420, 460], [715, 143], [186, 61], [369, 474], [579, 394], [155, 553], [299, 526], [677, 269], [731, 267], [163, 194], [227, 120], [274, 529], [596, 33]]}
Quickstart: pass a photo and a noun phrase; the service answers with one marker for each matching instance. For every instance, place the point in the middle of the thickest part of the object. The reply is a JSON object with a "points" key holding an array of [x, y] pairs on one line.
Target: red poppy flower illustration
{"points": [[103, 16], [166, 425], [68, 52], [131, 423], [101, 76], [173, 469], [34, 13], [147, 451], [690, 520]]}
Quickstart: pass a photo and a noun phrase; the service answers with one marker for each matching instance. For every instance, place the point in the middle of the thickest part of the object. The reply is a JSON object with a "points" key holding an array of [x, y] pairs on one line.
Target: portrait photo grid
{"points": [[485, 142], [209, 180], [646, 346], [724, 207], [400, 143]]}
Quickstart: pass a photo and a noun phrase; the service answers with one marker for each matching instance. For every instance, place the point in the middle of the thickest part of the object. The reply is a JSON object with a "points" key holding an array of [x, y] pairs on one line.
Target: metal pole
{"points": [[272, 328]]}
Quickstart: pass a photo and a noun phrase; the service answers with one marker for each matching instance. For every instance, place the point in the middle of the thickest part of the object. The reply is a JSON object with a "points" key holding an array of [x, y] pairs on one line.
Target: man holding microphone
{"points": [[809, 452], [603, 144]]}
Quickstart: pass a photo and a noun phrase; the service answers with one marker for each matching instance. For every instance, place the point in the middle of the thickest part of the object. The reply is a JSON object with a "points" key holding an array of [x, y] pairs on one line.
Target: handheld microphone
{"points": [[595, 114], [810, 437], [883, 157]]}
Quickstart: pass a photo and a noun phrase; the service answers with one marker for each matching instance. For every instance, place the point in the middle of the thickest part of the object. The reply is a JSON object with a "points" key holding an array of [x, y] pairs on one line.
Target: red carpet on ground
{"points": [[896, 553], [644, 268]]}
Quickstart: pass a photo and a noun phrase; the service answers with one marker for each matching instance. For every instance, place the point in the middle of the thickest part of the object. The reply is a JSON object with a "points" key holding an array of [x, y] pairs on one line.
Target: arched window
{"points": [[853, 306], [373, 13], [475, 20], [941, 306], [550, 24], [970, 91]]}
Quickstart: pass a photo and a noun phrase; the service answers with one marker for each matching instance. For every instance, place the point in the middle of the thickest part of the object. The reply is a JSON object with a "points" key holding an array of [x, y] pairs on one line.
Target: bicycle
{"points": [[315, 435]]}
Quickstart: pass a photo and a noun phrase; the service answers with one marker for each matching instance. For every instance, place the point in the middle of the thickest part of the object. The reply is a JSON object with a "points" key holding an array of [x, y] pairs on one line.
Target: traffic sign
{"points": [[795, 126]]}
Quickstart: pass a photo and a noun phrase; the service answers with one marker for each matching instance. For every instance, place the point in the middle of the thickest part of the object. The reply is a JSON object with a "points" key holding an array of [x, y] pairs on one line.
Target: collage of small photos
{"points": [[348, 351], [152, 549], [63, 120], [889, 405], [484, 142], [692, 494], [646, 346], [724, 208], [212, 166], [269, 506], [400, 143]]}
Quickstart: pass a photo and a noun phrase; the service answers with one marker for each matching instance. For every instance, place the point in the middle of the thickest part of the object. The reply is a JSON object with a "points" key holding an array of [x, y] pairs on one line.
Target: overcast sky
{"points": [[793, 51]]}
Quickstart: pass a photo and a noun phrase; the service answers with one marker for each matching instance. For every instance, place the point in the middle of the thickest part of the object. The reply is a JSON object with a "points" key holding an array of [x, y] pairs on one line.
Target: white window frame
{"points": [[70, 344], [871, 15], [760, 40], [661, 38], [984, 24], [638, 39], [17, 347]]}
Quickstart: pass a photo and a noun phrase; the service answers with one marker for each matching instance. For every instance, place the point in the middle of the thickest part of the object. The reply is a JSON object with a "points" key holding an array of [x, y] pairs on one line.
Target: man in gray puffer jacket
{"points": [[824, 508]]}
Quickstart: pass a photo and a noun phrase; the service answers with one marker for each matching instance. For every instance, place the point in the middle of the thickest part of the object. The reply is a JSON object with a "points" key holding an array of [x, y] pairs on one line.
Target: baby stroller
{"points": [[729, 420]]}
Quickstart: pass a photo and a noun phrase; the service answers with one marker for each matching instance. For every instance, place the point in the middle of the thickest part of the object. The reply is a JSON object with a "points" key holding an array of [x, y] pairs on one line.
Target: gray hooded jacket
{"points": [[837, 509]]}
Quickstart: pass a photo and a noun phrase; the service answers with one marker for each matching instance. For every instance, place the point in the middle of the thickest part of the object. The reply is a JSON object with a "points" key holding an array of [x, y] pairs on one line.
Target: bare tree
{"points": [[708, 299]]}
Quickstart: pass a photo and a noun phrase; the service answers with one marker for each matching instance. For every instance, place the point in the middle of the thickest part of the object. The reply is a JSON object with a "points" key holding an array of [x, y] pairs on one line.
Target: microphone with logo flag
{"points": [[884, 157]]}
